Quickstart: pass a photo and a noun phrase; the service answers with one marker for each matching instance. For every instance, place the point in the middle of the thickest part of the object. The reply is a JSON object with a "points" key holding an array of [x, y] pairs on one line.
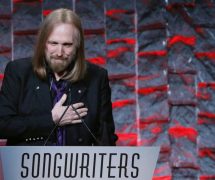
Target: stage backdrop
{"points": [[160, 56]]}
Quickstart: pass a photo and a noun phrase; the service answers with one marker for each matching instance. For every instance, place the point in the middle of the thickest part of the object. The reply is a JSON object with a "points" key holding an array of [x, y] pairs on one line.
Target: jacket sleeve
{"points": [[12, 123], [107, 136]]}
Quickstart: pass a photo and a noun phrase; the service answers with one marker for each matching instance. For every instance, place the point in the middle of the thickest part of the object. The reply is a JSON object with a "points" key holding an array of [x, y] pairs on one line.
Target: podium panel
{"points": [[51, 162]]}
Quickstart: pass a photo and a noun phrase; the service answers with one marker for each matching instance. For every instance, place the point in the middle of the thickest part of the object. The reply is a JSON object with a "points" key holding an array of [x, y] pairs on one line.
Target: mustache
{"points": [[57, 57]]}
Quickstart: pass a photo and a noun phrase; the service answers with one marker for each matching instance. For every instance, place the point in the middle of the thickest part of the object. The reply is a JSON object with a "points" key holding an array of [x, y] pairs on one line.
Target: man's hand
{"points": [[70, 117]]}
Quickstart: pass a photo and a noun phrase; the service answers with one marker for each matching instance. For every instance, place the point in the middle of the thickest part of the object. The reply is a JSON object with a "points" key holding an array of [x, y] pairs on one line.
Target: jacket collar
{"points": [[75, 93]]}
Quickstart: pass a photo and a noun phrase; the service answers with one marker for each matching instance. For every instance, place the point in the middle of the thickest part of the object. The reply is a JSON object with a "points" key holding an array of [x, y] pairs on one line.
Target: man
{"points": [[58, 98]]}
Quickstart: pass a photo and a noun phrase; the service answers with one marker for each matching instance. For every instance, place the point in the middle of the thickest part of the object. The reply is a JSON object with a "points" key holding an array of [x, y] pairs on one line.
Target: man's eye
{"points": [[53, 43], [68, 45]]}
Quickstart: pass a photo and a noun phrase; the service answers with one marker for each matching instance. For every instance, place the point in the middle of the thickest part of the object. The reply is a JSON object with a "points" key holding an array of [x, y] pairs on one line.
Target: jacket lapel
{"points": [[78, 90], [43, 94]]}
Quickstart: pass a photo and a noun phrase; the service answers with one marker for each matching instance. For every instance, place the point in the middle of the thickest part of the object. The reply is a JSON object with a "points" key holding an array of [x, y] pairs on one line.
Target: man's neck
{"points": [[58, 76]]}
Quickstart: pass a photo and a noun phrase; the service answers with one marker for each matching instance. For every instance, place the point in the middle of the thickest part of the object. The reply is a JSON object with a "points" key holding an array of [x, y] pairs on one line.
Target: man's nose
{"points": [[60, 50]]}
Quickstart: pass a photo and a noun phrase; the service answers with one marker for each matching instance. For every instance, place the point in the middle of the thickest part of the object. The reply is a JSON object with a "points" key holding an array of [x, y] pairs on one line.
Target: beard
{"points": [[59, 64]]}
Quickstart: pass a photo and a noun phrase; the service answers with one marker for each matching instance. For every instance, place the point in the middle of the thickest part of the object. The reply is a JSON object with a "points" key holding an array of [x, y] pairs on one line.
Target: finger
{"points": [[67, 122], [70, 117], [81, 110], [83, 114], [75, 116], [76, 121], [78, 105], [63, 123], [63, 99]]}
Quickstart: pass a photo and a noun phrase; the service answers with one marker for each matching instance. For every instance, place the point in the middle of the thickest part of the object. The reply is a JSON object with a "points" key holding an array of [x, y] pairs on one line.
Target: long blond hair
{"points": [[53, 19]]}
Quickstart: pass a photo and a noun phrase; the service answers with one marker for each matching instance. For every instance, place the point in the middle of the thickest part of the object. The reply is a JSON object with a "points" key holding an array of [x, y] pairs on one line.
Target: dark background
{"points": [[160, 57]]}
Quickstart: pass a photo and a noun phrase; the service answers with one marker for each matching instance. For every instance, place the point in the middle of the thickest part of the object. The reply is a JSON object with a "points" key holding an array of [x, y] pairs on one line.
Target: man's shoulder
{"points": [[95, 69], [21, 64]]}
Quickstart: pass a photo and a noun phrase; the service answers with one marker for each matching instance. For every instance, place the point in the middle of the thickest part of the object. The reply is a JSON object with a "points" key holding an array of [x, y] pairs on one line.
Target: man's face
{"points": [[60, 47]]}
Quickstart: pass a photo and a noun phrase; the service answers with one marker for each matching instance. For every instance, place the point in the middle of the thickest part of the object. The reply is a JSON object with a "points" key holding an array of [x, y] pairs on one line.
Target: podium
{"points": [[75, 162]]}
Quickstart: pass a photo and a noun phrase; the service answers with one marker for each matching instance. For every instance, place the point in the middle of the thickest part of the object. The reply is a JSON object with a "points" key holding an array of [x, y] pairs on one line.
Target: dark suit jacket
{"points": [[26, 104]]}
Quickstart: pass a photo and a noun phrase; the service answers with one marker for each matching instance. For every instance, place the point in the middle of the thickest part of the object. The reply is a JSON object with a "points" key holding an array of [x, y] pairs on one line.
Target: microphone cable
{"points": [[56, 125], [85, 125]]}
